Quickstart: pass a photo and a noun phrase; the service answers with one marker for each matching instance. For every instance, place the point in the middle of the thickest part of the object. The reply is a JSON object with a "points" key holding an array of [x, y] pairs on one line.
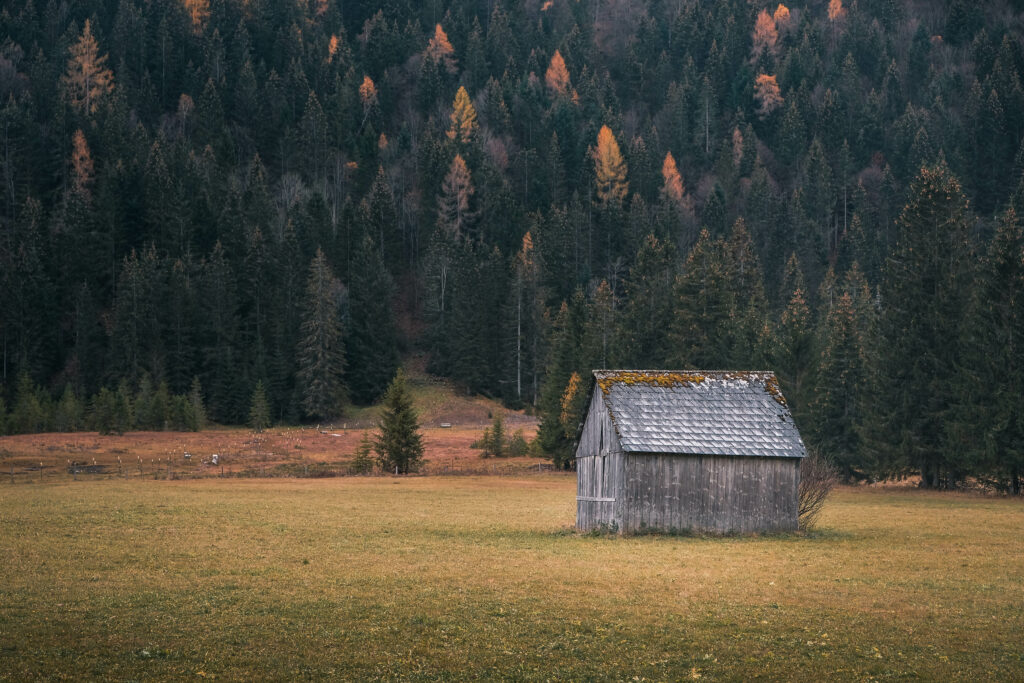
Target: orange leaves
{"points": [[673, 187], [836, 11], [765, 35], [767, 94], [81, 164], [609, 168], [781, 16], [557, 76], [87, 77], [440, 49], [368, 93], [332, 48], [569, 402], [463, 117], [198, 12]]}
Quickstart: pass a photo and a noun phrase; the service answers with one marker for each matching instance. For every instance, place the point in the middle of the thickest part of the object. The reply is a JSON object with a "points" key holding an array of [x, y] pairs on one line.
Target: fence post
{"points": [[40, 473]]}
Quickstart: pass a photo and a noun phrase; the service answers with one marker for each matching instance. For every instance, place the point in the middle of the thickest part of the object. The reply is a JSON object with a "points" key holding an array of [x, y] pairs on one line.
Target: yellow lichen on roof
{"points": [[654, 379], [670, 379]]}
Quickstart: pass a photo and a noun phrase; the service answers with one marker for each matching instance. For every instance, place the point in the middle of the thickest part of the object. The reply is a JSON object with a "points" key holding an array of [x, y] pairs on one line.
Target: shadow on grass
{"points": [[809, 535]]}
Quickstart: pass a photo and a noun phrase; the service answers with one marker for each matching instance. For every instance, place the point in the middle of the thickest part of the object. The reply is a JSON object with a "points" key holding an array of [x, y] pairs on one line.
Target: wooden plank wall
{"points": [[599, 469], [709, 493]]}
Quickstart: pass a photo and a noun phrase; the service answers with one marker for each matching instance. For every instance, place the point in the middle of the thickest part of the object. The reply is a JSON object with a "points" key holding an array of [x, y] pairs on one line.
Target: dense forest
{"points": [[211, 203]]}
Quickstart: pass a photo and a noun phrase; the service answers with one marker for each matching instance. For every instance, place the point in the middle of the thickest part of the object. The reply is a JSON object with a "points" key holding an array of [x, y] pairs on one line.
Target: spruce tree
{"points": [[321, 351], [399, 444], [647, 311], [372, 339], [835, 409], [703, 305], [102, 412], [566, 357], [923, 299], [259, 409], [991, 420], [197, 410], [68, 415]]}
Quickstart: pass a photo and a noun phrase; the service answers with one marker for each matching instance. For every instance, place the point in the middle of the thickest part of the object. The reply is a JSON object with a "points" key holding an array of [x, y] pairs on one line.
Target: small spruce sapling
{"points": [[259, 409]]}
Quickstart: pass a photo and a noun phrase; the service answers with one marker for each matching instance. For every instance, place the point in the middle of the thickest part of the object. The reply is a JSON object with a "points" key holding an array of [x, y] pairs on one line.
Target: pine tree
{"points": [[259, 409], [566, 357], [363, 463], [703, 304], [647, 311], [525, 324], [321, 351], [835, 411], [29, 414], [398, 442], [69, 414], [919, 332], [197, 411], [494, 440], [87, 78], [991, 425], [372, 339], [794, 359], [102, 412], [455, 216]]}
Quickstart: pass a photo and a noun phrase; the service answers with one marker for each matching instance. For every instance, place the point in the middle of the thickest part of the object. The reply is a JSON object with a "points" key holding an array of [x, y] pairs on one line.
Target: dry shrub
{"points": [[817, 477]]}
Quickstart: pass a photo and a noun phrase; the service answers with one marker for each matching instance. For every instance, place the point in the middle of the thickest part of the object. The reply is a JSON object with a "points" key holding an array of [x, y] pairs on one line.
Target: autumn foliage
{"points": [[440, 50], [557, 76], [765, 35], [609, 168], [767, 94], [463, 118], [673, 188], [87, 77], [81, 164]]}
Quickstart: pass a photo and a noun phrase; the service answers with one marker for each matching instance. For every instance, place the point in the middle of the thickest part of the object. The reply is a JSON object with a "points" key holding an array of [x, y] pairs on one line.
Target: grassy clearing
{"points": [[466, 577]]}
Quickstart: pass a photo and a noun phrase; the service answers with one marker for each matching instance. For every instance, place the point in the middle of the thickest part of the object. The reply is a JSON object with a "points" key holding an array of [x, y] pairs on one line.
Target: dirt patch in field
{"points": [[289, 451]]}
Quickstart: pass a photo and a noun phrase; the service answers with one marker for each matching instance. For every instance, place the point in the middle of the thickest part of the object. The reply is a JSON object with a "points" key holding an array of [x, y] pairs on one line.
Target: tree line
{"points": [[216, 197]]}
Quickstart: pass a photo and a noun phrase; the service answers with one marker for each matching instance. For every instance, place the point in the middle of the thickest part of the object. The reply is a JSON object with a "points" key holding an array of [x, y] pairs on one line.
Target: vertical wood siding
{"points": [[599, 469], [709, 493]]}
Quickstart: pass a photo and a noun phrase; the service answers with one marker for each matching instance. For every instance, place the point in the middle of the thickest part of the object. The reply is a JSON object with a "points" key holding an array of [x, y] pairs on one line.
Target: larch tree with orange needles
{"points": [[81, 165], [463, 117], [557, 75], [198, 12], [767, 94], [87, 78], [609, 168], [765, 35], [368, 96], [440, 50], [781, 16], [673, 188]]}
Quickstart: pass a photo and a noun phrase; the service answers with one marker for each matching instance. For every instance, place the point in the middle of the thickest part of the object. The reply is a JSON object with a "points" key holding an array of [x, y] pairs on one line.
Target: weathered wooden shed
{"points": [[691, 450]]}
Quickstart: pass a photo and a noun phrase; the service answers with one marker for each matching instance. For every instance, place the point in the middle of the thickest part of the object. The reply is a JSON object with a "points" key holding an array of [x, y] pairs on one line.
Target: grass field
{"points": [[483, 577]]}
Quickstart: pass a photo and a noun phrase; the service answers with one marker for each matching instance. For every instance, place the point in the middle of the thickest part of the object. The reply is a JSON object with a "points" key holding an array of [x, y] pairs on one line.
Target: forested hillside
{"points": [[205, 200]]}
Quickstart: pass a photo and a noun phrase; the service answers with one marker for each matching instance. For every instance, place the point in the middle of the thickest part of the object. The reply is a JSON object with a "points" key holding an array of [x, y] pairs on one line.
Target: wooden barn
{"points": [[699, 451]]}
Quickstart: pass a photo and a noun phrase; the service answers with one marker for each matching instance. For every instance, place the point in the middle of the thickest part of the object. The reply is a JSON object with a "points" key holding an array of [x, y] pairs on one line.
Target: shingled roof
{"points": [[700, 413]]}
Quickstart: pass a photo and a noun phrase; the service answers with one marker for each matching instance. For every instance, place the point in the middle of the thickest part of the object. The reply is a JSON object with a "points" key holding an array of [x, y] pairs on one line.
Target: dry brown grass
{"points": [[482, 577]]}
